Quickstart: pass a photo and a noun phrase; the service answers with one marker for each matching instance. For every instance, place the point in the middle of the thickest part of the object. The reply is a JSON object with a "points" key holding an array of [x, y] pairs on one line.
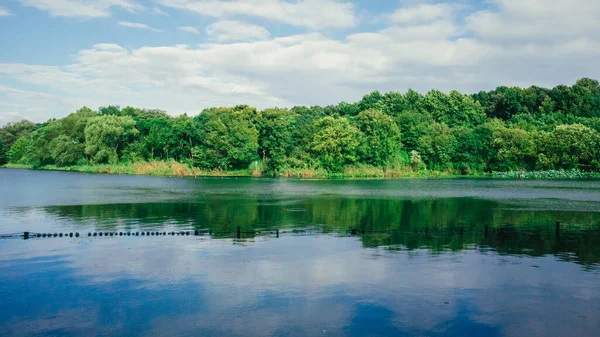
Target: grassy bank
{"points": [[153, 168], [177, 169]]}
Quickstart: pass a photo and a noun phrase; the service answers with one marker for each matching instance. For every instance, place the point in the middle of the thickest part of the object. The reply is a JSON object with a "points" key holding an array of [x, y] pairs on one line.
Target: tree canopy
{"points": [[505, 129]]}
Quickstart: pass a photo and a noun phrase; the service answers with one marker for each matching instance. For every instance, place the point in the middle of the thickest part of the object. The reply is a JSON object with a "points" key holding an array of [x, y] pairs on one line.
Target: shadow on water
{"points": [[438, 224]]}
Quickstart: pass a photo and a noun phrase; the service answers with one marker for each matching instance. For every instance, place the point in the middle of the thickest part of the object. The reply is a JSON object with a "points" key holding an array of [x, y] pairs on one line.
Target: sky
{"points": [[185, 55]]}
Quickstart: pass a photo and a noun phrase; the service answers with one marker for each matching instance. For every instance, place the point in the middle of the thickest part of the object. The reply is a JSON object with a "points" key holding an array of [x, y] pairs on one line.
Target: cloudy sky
{"points": [[185, 55]]}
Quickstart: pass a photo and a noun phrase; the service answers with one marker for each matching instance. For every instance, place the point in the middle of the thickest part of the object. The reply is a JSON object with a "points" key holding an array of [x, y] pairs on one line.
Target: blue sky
{"points": [[185, 55]]}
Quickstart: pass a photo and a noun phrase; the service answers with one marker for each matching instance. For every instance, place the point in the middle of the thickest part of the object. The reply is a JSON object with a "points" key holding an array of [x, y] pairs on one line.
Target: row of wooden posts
{"points": [[28, 235]]}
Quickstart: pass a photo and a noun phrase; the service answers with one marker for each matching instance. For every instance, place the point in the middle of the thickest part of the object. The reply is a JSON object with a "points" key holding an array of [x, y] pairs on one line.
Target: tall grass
{"points": [[258, 169]]}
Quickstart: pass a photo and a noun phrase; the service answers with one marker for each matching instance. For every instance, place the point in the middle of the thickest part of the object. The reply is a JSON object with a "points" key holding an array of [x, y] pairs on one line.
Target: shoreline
{"points": [[176, 169]]}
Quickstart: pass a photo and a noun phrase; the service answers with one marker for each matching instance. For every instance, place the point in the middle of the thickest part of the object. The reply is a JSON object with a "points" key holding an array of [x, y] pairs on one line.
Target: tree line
{"points": [[505, 129]]}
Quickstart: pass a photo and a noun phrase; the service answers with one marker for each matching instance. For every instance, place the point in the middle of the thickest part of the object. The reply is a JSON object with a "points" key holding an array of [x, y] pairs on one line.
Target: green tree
{"points": [[228, 140], [394, 103], [511, 149], [437, 146], [335, 142], [3, 151], [413, 125], [10, 133], [502, 103], [74, 124], [107, 136], [66, 151], [374, 100], [505, 129], [276, 137], [586, 93], [184, 136], [347, 109], [111, 110], [380, 138], [569, 147], [472, 148], [20, 151]]}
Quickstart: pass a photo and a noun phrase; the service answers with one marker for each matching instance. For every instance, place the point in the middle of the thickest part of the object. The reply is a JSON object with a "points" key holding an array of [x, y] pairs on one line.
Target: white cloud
{"points": [[138, 26], [242, 64], [16, 104], [305, 69], [189, 29], [158, 11], [422, 13], [10, 116], [522, 20], [314, 14], [108, 47], [81, 8], [4, 12], [228, 30]]}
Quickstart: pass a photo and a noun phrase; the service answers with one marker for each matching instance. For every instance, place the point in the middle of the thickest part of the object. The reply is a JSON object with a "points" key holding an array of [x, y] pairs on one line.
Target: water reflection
{"points": [[396, 224], [292, 286], [407, 271], [334, 213]]}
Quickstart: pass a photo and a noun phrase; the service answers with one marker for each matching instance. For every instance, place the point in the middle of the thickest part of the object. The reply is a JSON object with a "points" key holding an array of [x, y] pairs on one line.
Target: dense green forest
{"points": [[504, 130]]}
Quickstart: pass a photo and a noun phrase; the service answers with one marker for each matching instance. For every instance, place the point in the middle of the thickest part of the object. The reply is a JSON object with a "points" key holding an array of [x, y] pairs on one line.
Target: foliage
{"points": [[437, 146], [10, 133], [335, 142], [380, 139], [228, 140], [20, 151], [66, 151], [508, 129], [106, 137], [570, 146]]}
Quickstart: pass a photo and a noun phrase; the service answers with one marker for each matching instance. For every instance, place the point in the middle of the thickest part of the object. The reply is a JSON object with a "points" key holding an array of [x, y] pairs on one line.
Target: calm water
{"points": [[315, 279]]}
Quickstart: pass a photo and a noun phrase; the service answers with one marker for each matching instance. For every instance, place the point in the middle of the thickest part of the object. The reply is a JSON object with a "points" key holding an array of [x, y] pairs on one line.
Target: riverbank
{"points": [[177, 169]]}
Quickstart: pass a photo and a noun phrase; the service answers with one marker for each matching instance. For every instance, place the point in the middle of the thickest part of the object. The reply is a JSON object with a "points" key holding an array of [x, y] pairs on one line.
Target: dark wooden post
{"points": [[26, 236], [277, 232], [239, 232]]}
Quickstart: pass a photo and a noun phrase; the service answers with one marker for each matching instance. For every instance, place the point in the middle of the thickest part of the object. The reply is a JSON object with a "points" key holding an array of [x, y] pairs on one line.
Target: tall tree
{"points": [[335, 142], [380, 138], [228, 139], [107, 136]]}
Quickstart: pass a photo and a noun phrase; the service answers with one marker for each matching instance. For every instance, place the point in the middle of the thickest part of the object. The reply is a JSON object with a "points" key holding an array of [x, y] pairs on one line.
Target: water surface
{"points": [[407, 271]]}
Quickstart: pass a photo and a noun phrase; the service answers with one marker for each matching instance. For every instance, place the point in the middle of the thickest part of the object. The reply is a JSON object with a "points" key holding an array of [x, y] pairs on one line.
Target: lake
{"points": [[352, 257]]}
